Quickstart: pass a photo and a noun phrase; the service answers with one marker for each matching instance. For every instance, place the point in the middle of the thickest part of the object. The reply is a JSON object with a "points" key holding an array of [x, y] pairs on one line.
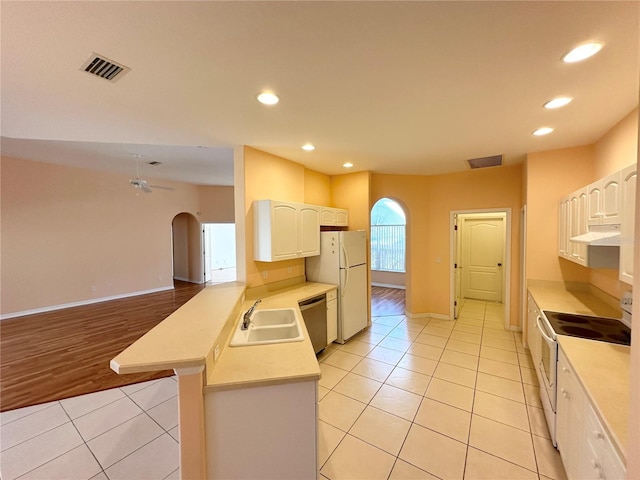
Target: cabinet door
{"points": [[610, 201], [628, 180], [604, 201], [327, 216], [332, 316], [564, 228], [284, 231], [533, 338], [569, 419], [594, 201], [342, 217], [579, 205], [309, 231]]}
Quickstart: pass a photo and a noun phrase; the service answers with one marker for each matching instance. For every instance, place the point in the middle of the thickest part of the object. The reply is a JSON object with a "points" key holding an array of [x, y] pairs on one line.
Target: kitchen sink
{"points": [[278, 316], [279, 325]]}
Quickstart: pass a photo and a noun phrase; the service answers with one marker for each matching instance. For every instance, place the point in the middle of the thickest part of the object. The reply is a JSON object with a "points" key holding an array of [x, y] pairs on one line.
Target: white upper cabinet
{"points": [[578, 205], [285, 230], [564, 220], [605, 200], [628, 180], [330, 216], [608, 201]]}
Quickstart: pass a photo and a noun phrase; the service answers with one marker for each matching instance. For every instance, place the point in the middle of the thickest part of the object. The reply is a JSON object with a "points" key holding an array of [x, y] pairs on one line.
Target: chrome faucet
{"points": [[247, 316]]}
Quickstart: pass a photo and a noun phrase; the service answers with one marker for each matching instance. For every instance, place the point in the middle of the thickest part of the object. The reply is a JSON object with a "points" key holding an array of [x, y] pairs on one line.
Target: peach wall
{"points": [[317, 188], [76, 235], [216, 204], [556, 173], [351, 191], [267, 176], [550, 176], [388, 278], [618, 148], [180, 230], [428, 202]]}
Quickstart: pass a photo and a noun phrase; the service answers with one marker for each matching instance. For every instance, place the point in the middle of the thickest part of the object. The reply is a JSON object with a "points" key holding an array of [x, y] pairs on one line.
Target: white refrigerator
{"points": [[343, 262]]}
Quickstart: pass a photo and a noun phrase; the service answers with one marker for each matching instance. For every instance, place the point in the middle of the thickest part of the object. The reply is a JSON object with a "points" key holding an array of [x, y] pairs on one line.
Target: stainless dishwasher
{"points": [[314, 312]]}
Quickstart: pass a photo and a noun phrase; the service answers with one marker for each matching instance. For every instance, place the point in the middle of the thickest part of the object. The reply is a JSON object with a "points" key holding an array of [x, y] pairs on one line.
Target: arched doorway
{"points": [[388, 258], [187, 245]]}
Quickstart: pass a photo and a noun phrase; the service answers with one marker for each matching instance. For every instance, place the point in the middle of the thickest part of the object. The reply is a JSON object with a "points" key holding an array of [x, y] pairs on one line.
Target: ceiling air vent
{"points": [[104, 68], [483, 162]]}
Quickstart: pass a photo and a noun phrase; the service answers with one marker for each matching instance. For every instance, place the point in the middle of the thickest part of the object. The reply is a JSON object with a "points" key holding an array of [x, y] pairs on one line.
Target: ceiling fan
{"points": [[141, 184]]}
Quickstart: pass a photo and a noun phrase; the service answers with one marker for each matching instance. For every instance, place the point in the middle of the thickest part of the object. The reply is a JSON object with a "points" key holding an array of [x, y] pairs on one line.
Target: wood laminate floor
{"points": [[64, 353], [387, 301]]}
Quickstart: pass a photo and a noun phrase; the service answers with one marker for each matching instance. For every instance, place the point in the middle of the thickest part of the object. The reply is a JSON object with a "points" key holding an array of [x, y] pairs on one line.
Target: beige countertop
{"points": [[269, 364], [558, 298], [603, 370], [185, 338]]}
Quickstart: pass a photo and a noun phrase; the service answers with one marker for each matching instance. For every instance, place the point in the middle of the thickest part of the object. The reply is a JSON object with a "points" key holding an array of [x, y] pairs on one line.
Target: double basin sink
{"points": [[268, 326]]}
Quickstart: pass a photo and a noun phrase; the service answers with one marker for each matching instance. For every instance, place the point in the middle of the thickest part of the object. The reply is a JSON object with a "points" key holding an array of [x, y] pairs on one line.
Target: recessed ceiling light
{"points": [[582, 52], [543, 131], [347, 165], [268, 98], [558, 102], [308, 147]]}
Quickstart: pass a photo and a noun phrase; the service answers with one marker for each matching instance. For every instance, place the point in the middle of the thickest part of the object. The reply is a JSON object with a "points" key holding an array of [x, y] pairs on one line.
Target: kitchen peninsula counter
{"points": [[215, 379]]}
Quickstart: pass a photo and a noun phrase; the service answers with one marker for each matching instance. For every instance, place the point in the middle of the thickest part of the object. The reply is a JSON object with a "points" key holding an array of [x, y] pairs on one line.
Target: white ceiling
{"points": [[394, 87]]}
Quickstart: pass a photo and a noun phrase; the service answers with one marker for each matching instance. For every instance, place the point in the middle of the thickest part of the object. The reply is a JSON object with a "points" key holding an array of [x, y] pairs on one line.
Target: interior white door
{"points": [[482, 257]]}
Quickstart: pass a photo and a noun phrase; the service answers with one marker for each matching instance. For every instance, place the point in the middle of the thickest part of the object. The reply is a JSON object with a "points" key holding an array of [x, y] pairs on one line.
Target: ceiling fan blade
{"points": [[161, 187]]}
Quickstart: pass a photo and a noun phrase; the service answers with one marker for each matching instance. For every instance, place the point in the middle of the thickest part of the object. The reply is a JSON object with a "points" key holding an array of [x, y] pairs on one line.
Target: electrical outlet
{"points": [[216, 353], [288, 269], [265, 274]]}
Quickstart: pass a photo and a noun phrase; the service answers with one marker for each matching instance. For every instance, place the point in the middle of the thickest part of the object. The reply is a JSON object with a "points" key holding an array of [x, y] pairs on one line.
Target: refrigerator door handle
{"points": [[344, 254]]}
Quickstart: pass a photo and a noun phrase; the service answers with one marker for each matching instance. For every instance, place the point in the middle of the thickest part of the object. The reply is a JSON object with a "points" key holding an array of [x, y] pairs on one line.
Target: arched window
{"points": [[388, 236]]}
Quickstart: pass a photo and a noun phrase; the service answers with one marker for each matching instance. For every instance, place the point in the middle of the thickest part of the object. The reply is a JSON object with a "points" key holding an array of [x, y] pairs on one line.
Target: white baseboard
{"points": [[388, 285], [437, 316], [183, 279], [82, 302]]}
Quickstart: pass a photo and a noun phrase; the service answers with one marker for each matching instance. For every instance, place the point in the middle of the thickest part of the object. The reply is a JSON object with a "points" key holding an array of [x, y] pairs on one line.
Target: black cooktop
{"points": [[604, 329]]}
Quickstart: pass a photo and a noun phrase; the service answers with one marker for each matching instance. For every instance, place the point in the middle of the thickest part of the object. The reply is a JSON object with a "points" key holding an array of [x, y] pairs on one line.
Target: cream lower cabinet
{"points": [[628, 180], [262, 432], [586, 451], [569, 419], [284, 230], [332, 316], [533, 338]]}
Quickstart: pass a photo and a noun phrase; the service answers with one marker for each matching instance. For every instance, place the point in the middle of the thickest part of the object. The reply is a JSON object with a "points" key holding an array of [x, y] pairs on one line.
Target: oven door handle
{"points": [[546, 337]]}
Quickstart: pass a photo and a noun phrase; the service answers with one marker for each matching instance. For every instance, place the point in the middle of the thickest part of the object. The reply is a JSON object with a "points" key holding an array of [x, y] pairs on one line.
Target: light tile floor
{"points": [[427, 398], [123, 433], [406, 399]]}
